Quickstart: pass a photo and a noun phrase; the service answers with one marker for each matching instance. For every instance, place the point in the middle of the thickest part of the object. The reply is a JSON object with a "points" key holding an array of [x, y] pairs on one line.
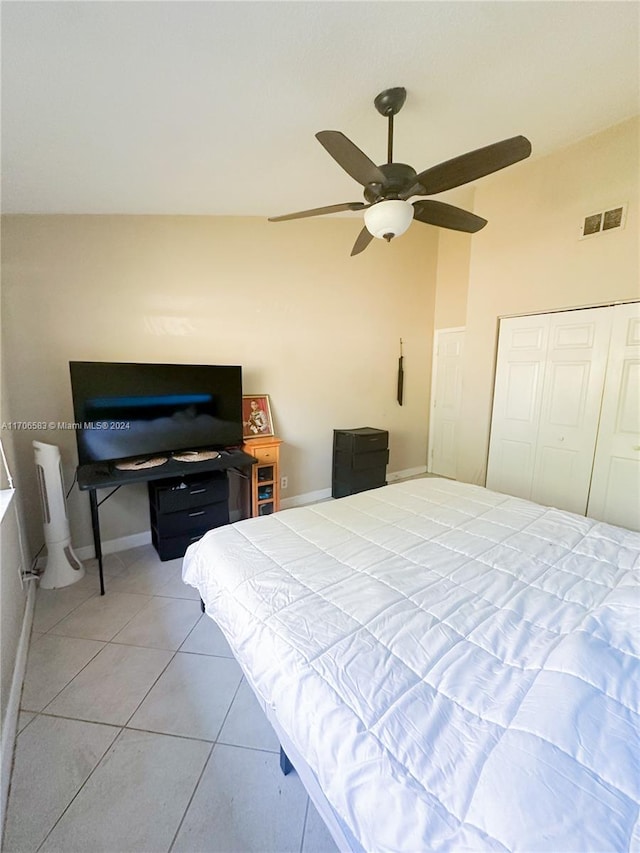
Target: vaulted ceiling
{"points": [[212, 107]]}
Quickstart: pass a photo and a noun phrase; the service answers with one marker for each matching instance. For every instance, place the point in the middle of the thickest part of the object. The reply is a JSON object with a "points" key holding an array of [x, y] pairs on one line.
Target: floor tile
{"points": [[52, 662], [110, 688], [171, 705], [317, 838], [24, 718], [247, 723], [111, 569], [207, 639], [146, 576], [163, 624], [176, 564], [191, 698], [53, 759], [244, 804], [176, 587], [52, 605], [135, 799], [140, 552], [112, 565], [90, 581], [101, 617]]}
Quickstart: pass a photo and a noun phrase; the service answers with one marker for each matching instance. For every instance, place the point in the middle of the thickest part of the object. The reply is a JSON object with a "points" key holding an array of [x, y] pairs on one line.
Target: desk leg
{"points": [[95, 523]]}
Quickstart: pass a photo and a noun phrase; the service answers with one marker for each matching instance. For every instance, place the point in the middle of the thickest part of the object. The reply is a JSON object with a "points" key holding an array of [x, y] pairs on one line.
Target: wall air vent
{"points": [[604, 220]]}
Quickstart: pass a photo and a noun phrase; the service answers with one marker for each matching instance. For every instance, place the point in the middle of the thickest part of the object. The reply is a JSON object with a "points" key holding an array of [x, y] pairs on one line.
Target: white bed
{"points": [[450, 668]]}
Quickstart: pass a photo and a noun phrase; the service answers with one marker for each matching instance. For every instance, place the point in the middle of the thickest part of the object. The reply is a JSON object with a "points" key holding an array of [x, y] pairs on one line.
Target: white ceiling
{"points": [[212, 107]]}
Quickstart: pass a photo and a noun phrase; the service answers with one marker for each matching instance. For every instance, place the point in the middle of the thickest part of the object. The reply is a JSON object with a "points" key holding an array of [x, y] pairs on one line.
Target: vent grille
{"points": [[73, 561], [43, 494], [603, 220]]}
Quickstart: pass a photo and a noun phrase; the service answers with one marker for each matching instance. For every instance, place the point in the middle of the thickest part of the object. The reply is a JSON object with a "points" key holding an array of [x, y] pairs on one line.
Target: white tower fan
{"points": [[63, 567]]}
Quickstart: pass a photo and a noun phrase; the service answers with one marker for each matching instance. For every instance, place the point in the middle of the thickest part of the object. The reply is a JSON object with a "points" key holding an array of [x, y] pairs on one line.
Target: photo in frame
{"points": [[256, 416]]}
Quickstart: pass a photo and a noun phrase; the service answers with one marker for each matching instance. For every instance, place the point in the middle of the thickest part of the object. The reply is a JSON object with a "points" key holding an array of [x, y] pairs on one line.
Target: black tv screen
{"points": [[131, 411]]}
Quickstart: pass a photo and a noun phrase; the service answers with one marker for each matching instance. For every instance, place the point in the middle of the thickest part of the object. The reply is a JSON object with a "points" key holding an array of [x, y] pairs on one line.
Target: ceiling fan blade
{"points": [[447, 216], [351, 158], [364, 238], [319, 211], [469, 167]]}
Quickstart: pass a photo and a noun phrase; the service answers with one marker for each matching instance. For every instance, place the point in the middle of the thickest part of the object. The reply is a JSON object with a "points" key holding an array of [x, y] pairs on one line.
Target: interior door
{"points": [[446, 397], [576, 361], [522, 349], [615, 485]]}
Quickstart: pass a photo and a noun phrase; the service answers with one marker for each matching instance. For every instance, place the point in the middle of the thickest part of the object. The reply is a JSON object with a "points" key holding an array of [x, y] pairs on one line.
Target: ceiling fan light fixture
{"points": [[387, 219], [387, 188]]}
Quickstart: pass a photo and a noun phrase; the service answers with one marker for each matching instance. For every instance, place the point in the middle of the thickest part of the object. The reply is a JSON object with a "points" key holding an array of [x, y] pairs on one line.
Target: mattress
{"points": [[458, 668]]}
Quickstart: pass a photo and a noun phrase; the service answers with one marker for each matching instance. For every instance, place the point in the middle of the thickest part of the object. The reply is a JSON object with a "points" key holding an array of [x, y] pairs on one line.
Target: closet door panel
{"points": [[570, 408], [516, 404], [615, 486]]}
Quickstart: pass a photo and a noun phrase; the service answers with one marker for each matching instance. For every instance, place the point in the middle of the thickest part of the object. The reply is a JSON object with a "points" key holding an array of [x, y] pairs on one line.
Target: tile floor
{"points": [[138, 732]]}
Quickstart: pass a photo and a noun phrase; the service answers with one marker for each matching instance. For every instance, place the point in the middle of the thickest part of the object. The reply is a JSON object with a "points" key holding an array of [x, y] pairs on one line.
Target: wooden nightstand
{"points": [[265, 476]]}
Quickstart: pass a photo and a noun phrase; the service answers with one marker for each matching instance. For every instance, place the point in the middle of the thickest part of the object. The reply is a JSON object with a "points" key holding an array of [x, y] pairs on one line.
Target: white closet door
{"points": [[522, 348], [445, 402], [576, 363], [615, 486]]}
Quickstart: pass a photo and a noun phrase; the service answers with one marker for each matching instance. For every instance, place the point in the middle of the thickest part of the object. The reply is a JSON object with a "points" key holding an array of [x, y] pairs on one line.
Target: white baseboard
{"points": [[111, 546], [408, 472], [325, 494], [305, 499], [13, 705]]}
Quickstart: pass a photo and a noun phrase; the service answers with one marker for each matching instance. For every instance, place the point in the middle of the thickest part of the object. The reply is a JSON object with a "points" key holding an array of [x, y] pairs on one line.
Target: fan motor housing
{"points": [[398, 175]]}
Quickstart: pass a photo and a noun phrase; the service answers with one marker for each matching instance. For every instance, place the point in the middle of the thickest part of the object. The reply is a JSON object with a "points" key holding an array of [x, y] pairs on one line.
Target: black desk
{"points": [[104, 475]]}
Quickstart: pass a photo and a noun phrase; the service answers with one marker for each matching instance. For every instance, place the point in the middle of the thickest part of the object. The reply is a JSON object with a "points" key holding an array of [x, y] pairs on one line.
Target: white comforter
{"points": [[459, 668]]}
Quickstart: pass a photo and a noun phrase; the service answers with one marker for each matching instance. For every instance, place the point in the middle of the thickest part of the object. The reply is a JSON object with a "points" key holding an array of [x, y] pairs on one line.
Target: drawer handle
{"points": [[197, 491], [193, 514]]}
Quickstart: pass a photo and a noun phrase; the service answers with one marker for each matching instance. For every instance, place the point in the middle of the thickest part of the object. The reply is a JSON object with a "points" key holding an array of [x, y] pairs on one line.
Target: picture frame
{"points": [[256, 416]]}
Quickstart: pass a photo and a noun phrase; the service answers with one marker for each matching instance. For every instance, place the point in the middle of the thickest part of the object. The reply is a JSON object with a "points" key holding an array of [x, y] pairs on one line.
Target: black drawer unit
{"points": [[360, 458], [183, 509]]}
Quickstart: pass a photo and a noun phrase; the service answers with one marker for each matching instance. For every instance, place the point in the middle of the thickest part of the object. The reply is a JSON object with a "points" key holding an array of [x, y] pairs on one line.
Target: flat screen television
{"points": [[132, 411]]}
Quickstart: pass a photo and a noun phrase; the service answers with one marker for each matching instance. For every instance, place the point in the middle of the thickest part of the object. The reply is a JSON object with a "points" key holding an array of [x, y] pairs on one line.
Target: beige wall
{"points": [[454, 254], [312, 327], [529, 259]]}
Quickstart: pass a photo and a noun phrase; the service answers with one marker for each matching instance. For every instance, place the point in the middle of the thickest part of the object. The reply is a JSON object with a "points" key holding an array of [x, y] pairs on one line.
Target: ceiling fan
{"points": [[387, 187]]}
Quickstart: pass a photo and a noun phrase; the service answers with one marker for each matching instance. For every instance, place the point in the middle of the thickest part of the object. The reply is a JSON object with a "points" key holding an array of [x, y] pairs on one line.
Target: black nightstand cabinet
{"points": [[360, 458], [183, 509]]}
